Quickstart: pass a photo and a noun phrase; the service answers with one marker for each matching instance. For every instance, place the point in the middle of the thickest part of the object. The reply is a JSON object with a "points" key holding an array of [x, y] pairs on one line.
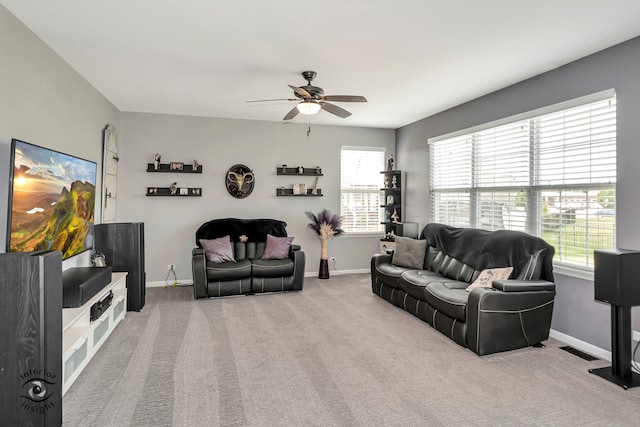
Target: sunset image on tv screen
{"points": [[53, 201]]}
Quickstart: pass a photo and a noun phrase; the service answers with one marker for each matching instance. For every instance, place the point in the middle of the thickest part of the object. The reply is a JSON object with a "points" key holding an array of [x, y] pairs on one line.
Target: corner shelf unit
{"points": [[180, 192], [166, 167], [295, 171], [392, 190]]}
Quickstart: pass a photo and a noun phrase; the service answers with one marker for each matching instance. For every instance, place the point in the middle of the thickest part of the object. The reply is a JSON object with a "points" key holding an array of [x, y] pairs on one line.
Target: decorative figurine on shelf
{"points": [[243, 238], [195, 165], [300, 170], [318, 170], [156, 161], [386, 181], [284, 168], [390, 162], [174, 188], [395, 217], [314, 187], [394, 182], [390, 199], [387, 216]]}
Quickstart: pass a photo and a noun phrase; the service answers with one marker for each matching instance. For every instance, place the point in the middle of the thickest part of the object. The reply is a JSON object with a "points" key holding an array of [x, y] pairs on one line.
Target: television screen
{"points": [[51, 201]]}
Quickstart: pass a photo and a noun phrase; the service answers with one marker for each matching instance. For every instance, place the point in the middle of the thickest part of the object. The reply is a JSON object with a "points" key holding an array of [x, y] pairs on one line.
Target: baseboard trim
{"points": [[189, 282], [163, 284], [338, 272]]}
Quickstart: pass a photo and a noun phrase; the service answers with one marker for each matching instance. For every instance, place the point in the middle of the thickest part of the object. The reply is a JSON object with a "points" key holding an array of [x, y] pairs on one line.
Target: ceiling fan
{"points": [[312, 99]]}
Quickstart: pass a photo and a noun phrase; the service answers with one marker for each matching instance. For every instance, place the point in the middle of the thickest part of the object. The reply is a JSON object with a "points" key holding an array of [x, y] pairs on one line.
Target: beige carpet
{"points": [[332, 355]]}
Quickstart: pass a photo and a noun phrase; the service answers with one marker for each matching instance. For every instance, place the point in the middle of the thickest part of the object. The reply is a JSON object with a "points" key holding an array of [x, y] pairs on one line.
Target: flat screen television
{"points": [[51, 201]]}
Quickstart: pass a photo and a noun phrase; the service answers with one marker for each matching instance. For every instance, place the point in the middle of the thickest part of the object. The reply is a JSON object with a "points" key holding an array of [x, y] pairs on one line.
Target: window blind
{"points": [[360, 183], [552, 175]]}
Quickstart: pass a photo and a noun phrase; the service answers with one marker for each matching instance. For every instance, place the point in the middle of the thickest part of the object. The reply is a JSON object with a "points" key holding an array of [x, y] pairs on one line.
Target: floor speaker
{"points": [[31, 339], [122, 243], [616, 274]]}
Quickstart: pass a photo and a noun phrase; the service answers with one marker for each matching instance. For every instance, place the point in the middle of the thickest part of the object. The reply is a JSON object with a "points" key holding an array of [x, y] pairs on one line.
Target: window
{"points": [[360, 183], [552, 175]]}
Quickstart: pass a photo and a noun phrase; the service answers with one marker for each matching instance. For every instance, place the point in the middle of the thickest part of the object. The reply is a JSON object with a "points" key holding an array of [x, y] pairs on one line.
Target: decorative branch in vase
{"points": [[327, 226]]}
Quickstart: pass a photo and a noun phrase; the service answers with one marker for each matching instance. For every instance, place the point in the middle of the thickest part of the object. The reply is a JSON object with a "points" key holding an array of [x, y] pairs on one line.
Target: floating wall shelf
{"points": [[180, 192], [166, 167]]}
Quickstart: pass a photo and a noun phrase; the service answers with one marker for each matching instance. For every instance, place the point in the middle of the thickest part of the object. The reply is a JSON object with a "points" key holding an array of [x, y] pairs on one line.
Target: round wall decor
{"points": [[239, 181]]}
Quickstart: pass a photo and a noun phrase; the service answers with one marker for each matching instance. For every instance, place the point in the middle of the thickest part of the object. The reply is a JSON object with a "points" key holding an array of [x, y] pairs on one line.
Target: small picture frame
{"points": [[176, 166], [184, 191]]}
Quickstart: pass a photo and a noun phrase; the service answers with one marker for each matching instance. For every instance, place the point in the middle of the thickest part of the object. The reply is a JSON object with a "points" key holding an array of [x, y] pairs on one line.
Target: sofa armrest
{"points": [[523, 285], [199, 270], [296, 247], [500, 320], [378, 259], [299, 259]]}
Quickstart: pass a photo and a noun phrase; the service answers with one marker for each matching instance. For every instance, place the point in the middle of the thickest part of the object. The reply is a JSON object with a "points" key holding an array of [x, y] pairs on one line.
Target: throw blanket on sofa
{"points": [[484, 249], [255, 229]]}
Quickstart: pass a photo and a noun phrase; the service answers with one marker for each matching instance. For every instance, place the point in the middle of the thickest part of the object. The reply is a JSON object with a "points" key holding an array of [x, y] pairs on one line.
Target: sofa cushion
{"points": [[277, 247], [486, 277], [272, 267], [448, 296], [218, 250], [225, 271], [409, 252], [414, 282]]}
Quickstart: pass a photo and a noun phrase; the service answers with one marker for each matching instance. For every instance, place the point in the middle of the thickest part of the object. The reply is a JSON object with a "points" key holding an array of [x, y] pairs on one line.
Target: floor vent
{"points": [[580, 354]]}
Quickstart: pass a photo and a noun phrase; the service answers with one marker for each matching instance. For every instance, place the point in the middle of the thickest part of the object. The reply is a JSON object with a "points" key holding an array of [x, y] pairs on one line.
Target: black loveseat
{"points": [[248, 273], [507, 315]]}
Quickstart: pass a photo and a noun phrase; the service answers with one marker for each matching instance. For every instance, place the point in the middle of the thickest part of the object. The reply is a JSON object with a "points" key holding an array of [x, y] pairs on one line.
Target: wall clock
{"points": [[239, 181]]}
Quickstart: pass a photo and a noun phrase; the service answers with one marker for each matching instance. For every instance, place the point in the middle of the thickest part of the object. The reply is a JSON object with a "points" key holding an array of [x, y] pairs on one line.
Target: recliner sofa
{"points": [[509, 314], [248, 273]]}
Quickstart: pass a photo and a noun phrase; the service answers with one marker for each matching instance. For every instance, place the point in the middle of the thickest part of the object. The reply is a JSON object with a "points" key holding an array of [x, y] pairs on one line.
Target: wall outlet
{"points": [[332, 258]]}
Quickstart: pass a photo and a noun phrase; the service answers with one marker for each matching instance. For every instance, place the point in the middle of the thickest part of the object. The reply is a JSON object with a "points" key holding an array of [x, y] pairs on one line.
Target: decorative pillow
{"points": [[277, 247], [486, 277], [409, 252], [218, 250]]}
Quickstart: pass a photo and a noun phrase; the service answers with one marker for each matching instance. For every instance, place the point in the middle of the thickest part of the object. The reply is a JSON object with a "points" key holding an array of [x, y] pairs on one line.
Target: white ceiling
{"points": [[409, 58]]}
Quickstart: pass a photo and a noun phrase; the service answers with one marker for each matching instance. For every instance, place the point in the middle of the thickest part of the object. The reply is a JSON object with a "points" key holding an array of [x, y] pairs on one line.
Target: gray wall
{"points": [[170, 223], [576, 313], [45, 102]]}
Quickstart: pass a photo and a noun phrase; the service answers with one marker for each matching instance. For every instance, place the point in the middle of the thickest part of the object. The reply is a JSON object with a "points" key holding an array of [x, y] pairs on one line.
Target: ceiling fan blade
{"points": [[291, 114], [277, 99], [303, 93], [334, 109], [344, 98]]}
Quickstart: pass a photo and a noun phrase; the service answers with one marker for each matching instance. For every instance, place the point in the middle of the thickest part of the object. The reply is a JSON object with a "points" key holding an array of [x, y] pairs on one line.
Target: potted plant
{"points": [[326, 225]]}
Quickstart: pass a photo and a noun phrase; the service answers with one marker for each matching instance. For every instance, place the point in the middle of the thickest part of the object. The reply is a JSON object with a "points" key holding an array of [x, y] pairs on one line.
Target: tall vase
{"points": [[323, 273]]}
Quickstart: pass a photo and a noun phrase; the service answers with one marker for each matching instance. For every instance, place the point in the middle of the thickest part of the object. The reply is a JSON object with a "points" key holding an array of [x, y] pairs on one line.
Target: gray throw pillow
{"points": [[218, 250], [409, 252]]}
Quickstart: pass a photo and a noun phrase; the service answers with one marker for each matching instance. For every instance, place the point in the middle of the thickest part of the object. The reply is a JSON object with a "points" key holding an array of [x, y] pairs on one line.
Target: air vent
{"points": [[580, 354]]}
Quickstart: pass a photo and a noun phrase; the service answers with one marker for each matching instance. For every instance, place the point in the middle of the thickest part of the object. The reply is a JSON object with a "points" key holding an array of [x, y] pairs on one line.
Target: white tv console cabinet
{"points": [[82, 338]]}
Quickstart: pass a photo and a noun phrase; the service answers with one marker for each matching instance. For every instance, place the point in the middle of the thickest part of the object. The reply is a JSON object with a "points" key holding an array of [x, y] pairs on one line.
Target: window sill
{"points": [[585, 273], [377, 234]]}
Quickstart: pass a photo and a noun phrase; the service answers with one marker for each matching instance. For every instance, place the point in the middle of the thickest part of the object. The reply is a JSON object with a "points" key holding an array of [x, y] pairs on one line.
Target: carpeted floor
{"points": [[332, 355]]}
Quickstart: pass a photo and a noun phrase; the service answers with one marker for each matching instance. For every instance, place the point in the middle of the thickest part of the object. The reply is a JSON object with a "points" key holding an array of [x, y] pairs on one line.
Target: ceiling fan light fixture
{"points": [[308, 107]]}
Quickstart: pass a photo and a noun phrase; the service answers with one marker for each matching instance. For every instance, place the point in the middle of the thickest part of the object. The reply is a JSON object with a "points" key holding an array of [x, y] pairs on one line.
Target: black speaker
{"points": [[617, 277], [122, 243], [31, 339]]}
